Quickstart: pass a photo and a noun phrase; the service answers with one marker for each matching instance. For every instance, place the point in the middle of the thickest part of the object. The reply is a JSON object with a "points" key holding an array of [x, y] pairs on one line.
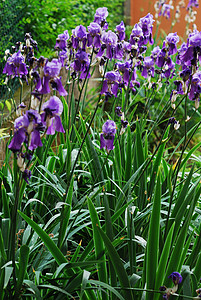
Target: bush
{"points": [[47, 18]]}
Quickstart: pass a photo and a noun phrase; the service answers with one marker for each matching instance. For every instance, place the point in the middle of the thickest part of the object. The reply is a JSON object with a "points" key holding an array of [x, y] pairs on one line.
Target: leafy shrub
{"points": [[47, 18]]}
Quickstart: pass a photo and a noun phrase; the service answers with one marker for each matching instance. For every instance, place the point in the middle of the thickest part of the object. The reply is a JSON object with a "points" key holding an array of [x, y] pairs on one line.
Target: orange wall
{"points": [[140, 8]]}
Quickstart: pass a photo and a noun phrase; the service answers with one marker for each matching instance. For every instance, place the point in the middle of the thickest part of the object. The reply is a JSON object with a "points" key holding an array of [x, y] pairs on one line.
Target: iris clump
{"points": [[103, 166]]}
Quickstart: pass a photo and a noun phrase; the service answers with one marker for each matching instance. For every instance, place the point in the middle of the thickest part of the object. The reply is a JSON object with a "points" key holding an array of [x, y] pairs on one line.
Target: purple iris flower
{"points": [[165, 10], [35, 140], [61, 41], [109, 40], [111, 83], [190, 53], [17, 140], [79, 37], [94, 35], [172, 39], [161, 58], [51, 73], [195, 86], [19, 137], [126, 46], [107, 135], [15, 65], [33, 129], [52, 109], [81, 64], [27, 130], [185, 74], [193, 3], [146, 23], [63, 56], [120, 29], [37, 80], [100, 17], [155, 52], [181, 51], [148, 67], [136, 34], [176, 278], [125, 69], [169, 68]]}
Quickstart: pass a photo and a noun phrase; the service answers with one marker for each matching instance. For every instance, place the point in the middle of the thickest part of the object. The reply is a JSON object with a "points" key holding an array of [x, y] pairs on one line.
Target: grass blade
{"points": [[118, 265]]}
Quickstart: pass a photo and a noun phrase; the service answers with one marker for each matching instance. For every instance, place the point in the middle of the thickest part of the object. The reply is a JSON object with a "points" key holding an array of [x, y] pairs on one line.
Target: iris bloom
{"points": [[52, 109], [27, 130], [81, 64], [109, 42], [107, 135], [15, 65], [100, 17], [51, 76], [94, 35], [61, 41], [79, 37], [111, 83]]}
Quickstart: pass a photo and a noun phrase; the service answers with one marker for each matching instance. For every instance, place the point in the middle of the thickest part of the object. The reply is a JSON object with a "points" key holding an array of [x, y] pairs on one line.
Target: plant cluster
{"points": [[115, 214]]}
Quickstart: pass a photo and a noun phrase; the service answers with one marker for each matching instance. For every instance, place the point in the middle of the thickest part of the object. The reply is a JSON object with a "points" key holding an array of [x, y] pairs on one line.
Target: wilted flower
{"points": [[107, 135], [118, 111], [26, 175], [198, 291], [176, 278], [172, 39]]}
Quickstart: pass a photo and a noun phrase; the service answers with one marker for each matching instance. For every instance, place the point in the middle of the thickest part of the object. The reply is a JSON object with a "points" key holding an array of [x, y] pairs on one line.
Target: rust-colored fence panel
{"points": [[140, 8]]}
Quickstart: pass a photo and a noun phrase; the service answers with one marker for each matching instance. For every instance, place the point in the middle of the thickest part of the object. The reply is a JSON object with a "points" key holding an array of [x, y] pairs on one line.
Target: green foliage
{"points": [[47, 19], [97, 224]]}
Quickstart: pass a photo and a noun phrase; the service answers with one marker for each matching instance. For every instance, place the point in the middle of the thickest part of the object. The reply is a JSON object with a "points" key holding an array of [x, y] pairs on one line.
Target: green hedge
{"points": [[45, 19], [11, 29]]}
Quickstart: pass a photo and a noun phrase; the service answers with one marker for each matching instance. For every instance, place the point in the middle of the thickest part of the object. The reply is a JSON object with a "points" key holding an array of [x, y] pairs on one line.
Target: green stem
{"points": [[17, 186], [69, 110], [87, 131], [21, 91], [185, 144], [82, 88]]}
